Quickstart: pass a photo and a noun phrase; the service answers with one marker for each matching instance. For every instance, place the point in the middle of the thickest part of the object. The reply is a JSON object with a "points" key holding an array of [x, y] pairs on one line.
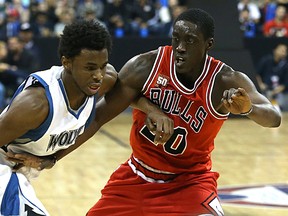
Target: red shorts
{"points": [[127, 194]]}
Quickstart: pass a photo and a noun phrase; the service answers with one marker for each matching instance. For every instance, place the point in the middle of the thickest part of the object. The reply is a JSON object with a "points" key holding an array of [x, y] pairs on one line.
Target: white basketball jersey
{"points": [[63, 124]]}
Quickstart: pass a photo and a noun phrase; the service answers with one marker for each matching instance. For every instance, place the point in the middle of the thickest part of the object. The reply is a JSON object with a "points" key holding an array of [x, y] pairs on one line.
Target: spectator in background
{"points": [[141, 12], [20, 63], [3, 57], [20, 57], [272, 76], [3, 67], [66, 16], [43, 17], [2, 12], [91, 15], [116, 18], [277, 27], [11, 25], [97, 6], [42, 25], [26, 35], [283, 3], [254, 11], [247, 26], [6, 73], [161, 22], [22, 7], [267, 9]]}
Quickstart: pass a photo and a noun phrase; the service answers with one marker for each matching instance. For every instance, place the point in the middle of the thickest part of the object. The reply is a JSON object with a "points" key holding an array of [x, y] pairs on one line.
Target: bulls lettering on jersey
{"points": [[192, 112]]}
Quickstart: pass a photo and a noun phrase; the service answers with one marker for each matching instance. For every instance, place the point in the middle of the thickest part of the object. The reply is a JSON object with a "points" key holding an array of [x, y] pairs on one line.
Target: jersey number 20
{"points": [[176, 145]]}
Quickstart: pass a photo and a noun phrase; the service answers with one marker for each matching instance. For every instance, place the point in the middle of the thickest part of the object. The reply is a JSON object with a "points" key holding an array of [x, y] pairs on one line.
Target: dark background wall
{"points": [[225, 14], [243, 59]]}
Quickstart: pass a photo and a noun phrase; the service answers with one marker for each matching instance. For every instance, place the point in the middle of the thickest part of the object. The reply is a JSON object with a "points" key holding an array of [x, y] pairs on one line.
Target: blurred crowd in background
{"points": [[268, 18], [23, 20], [130, 17]]}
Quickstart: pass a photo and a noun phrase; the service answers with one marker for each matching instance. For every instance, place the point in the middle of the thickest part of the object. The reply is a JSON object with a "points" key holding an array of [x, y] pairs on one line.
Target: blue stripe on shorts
{"points": [[11, 202]]}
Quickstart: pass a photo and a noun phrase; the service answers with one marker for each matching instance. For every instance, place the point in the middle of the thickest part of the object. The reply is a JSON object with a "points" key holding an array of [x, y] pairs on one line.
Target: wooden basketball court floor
{"points": [[245, 154]]}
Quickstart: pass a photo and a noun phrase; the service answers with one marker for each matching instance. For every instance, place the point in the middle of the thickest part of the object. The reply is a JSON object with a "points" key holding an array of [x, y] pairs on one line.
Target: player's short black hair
{"points": [[201, 18], [83, 34]]}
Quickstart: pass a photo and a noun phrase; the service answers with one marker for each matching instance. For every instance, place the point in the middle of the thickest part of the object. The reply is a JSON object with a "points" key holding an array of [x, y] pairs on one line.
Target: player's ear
{"points": [[66, 63], [210, 43]]}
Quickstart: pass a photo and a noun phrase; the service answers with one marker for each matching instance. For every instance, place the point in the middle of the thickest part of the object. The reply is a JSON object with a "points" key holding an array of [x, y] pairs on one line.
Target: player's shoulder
{"points": [[144, 59], [228, 76], [30, 102], [35, 98], [228, 72], [111, 71], [139, 65], [136, 71]]}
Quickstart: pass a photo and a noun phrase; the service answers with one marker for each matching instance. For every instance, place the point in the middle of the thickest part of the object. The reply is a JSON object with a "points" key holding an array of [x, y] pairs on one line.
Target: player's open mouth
{"points": [[94, 87], [179, 61]]}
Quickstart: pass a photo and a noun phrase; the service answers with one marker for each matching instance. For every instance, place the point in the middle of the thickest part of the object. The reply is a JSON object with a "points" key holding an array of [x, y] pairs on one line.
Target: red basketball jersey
{"points": [[196, 122]]}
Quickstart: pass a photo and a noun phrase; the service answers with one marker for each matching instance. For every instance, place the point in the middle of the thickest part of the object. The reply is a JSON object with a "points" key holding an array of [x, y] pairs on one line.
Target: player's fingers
{"points": [[225, 98], [10, 154], [159, 132], [225, 95], [14, 160], [17, 166], [242, 91], [21, 156], [227, 105], [150, 124], [168, 130], [231, 93]]}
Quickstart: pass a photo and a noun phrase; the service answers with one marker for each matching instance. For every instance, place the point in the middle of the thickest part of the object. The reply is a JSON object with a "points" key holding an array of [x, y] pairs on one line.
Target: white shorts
{"points": [[17, 196]]}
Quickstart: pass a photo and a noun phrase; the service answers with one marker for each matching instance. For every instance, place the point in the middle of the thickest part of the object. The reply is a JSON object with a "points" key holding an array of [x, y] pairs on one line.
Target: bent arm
{"points": [[241, 95], [263, 112], [16, 121]]}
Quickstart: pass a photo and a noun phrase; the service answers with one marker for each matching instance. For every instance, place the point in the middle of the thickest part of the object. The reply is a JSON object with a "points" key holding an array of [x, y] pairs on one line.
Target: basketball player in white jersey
{"points": [[50, 110]]}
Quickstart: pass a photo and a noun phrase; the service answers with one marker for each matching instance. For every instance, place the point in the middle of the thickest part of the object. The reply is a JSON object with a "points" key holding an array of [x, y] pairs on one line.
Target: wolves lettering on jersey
{"points": [[64, 139], [192, 112]]}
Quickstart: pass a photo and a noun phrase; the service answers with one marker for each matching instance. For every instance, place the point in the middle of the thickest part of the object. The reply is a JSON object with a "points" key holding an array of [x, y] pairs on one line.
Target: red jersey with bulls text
{"points": [[196, 122]]}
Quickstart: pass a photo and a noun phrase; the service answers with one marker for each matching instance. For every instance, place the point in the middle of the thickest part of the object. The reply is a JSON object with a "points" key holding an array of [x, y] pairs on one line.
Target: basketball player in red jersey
{"points": [[198, 92]]}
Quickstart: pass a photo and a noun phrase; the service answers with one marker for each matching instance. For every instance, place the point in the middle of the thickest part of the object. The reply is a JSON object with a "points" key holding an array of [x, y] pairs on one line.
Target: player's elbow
{"points": [[275, 121]]}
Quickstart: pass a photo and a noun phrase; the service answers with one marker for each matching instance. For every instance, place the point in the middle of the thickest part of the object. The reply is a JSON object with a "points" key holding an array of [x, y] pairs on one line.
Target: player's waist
{"points": [[149, 173]]}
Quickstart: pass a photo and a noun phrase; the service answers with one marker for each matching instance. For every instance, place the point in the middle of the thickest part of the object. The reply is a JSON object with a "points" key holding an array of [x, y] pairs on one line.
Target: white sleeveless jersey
{"points": [[62, 126], [59, 131]]}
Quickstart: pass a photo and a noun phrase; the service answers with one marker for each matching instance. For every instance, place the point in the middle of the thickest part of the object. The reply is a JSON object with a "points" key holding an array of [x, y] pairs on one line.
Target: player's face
{"points": [[88, 70], [189, 47]]}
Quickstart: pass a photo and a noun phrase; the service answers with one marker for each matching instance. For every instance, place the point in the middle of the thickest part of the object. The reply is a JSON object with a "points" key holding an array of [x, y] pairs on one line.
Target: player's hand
{"points": [[29, 160], [236, 101], [161, 125]]}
